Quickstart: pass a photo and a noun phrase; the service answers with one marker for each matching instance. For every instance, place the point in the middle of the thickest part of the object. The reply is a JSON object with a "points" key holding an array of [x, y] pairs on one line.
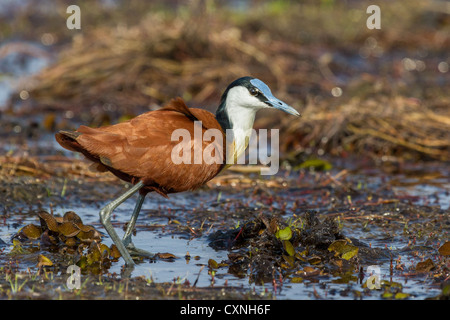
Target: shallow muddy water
{"points": [[224, 240], [388, 212]]}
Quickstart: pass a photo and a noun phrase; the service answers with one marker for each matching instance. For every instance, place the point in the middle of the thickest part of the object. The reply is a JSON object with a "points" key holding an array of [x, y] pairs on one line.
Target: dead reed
{"points": [[195, 55]]}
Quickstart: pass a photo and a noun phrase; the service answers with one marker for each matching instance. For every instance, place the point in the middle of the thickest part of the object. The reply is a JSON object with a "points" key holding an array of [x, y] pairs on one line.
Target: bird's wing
{"points": [[142, 147]]}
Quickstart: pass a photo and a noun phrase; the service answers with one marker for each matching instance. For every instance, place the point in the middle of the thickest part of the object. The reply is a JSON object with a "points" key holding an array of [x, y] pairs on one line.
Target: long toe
{"points": [[138, 252]]}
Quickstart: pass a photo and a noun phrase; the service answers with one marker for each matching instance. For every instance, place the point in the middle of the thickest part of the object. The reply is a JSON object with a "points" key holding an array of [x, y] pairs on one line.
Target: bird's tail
{"points": [[68, 140]]}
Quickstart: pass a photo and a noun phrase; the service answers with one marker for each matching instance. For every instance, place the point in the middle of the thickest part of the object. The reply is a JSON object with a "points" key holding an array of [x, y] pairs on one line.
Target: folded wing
{"points": [[141, 148]]}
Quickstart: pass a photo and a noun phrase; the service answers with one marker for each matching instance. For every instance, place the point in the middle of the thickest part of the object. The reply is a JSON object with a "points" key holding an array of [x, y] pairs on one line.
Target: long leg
{"points": [[127, 237], [105, 218]]}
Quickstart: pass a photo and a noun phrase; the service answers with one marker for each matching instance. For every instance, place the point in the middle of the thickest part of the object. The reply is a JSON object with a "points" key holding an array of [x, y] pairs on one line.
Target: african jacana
{"points": [[139, 150]]}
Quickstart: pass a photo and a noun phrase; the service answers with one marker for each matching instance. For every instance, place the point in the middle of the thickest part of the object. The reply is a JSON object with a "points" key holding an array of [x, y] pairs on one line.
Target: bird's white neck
{"points": [[241, 122], [237, 114]]}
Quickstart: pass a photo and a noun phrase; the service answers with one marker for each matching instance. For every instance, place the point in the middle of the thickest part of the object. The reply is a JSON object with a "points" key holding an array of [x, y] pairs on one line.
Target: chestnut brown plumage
{"points": [[140, 150]]}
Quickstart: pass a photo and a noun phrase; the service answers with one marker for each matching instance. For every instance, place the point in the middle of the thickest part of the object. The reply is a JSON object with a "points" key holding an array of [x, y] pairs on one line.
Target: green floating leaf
{"points": [[72, 217], [297, 280], [344, 249], [68, 229], [289, 260], [31, 231], [401, 295], [213, 264], [114, 252], [314, 260], [353, 251], [317, 164], [17, 248], [446, 290], [88, 233], [288, 247], [284, 234], [337, 246], [48, 220], [82, 263], [387, 295], [104, 250], [94, 254], [43, 261]]}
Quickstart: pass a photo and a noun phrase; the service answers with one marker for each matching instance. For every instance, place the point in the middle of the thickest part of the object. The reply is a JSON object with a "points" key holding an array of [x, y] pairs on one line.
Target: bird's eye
{"points": [[253, 91]]}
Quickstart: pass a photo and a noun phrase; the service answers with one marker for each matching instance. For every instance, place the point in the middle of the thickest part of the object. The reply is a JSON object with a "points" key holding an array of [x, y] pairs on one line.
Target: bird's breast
{"points": [[237, 141]]}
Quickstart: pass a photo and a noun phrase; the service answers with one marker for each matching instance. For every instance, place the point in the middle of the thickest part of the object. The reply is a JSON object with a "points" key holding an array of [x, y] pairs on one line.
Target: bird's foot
{"points": [[138, 252]]}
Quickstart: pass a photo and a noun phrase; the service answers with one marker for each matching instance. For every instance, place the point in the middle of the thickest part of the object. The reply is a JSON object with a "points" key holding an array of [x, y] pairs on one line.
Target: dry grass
{"points": [[198, 51], [12, 166], [389, 126]]}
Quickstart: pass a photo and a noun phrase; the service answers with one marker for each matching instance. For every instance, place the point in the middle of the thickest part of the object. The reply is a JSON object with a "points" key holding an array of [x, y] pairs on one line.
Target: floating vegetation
{"points": [[265, 250], [67, 235], [350, 194]]}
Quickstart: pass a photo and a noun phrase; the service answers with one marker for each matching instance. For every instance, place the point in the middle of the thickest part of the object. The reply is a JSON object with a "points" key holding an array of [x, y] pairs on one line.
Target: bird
{"points": [[140, 150]]}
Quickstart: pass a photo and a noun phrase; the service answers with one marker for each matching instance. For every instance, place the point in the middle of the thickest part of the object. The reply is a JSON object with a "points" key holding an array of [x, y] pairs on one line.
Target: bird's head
{"points": [[243, 97]]}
